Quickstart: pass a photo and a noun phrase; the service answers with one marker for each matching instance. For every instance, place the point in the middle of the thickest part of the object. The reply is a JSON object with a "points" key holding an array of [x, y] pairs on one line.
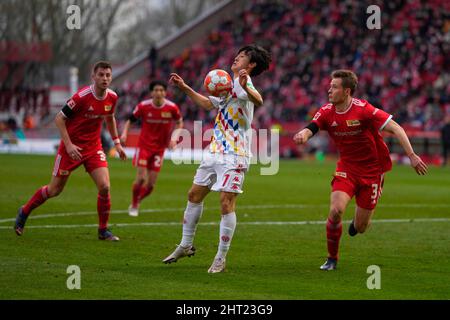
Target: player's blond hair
{"points": [[348, 77]]}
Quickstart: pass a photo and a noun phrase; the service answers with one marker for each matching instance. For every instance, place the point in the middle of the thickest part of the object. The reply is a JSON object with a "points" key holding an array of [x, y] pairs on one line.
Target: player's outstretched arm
{"points": [[72, 150], [198, 99], [303, 136], [253, 95], [112, 128], [417, 163]]}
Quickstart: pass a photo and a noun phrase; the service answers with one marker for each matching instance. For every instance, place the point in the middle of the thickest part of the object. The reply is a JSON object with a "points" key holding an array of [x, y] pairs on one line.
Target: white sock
{"points": [[227, 226], [192, 215]]}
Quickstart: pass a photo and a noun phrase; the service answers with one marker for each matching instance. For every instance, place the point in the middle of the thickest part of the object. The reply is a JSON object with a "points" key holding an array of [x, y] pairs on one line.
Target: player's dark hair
{"points": [[348, 77], [103, 65], [259, 55], [155, 83]]}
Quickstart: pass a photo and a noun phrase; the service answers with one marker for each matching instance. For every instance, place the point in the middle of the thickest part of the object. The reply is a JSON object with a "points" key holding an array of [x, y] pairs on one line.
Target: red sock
{"points": [[103, 208], [136, 192], [145, 191], [334, 232], [40, 196]]}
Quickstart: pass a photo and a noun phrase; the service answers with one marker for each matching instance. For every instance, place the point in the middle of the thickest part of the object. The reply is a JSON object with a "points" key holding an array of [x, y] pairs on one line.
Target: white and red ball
{"points": [[218, 83]]}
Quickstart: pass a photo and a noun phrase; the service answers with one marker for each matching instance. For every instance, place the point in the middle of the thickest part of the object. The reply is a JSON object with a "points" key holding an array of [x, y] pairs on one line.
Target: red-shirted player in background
{"points": [[157, 116], [79, 123], [355, 126]]}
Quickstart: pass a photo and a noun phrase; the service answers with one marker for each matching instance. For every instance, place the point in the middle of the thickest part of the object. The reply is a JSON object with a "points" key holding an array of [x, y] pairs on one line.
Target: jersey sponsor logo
{"points": [[64, 172], [91, 108], [340, 174], [334, 124], [347, 133], [166, 115], [92, 116], [316, 116], [353, 123], [71, 103], [108, 107]]}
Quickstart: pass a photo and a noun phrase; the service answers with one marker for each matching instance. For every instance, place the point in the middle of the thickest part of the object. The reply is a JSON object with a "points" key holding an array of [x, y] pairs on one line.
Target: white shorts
{"points": [[222, 172]]}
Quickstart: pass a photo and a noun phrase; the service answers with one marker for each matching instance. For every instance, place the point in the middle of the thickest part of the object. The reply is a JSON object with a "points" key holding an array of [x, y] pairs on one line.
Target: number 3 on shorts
{"points": [[374, 192]]}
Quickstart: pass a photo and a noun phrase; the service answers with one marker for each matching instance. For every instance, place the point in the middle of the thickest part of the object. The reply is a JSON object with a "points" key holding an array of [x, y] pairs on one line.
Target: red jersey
{"points": [[156, 123], [356, 133], [84, 124]]}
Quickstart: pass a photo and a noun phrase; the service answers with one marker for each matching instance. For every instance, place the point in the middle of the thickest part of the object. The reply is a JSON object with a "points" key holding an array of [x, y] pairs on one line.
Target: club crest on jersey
{"points": [[353, 123], [108, 107], [166, 115]]}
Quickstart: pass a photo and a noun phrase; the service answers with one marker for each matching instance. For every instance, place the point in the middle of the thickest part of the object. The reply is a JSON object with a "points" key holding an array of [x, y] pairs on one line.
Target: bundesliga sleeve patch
{"points": [[317, 116], [71, 103]]}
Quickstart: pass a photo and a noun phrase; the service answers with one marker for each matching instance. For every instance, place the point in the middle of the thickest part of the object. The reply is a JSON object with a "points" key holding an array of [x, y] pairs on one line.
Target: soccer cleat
{"points": [[106, 234], [19, 225], [180, 252], [352, 230], [329, 265], [133, 212], [217, 266]]}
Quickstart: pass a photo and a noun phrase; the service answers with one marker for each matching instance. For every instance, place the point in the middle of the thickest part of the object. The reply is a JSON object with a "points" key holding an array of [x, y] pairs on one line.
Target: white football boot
{"points": [[133, 212], [180, 252], [218, 265]]}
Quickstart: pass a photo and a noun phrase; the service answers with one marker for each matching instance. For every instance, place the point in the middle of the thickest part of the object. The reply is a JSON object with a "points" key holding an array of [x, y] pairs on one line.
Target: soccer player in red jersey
{"points": [[355, 126], [157, 116], [80, 123]]}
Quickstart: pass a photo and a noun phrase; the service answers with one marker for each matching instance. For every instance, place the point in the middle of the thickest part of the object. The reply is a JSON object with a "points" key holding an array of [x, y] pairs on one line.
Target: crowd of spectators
{"points": [[402, 67]]}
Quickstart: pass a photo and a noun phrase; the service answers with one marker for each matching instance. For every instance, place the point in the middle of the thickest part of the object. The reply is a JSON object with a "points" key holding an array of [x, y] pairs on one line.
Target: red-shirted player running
{"points": [[355, 126], [157, 116], [79, 123]]}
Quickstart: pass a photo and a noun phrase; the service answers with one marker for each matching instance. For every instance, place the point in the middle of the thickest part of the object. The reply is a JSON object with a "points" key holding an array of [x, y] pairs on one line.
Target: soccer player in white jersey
{"points": [[223, 169]]}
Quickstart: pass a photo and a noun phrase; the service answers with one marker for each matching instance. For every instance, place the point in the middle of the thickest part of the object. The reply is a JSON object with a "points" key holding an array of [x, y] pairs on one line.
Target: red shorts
{"points": [[64, 164], [152, 160], [367, 190]]}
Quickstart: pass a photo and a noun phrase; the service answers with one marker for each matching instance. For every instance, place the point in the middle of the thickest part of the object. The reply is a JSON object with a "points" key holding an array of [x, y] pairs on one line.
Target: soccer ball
{"points": [[218, 83]]}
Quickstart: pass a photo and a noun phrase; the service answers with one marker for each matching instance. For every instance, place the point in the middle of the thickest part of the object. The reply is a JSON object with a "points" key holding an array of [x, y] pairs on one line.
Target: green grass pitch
{"points": [[266, 261]]}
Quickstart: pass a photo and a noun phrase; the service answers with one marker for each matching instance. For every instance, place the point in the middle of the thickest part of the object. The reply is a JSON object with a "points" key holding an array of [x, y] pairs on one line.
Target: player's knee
{"points": [[103, 188], [361, 227], [54, 191], [194, 197], [336, 212]]}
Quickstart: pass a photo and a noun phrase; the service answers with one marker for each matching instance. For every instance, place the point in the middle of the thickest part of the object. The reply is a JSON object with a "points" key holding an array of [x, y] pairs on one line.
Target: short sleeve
{"points": [[377, 117], [75, 102], [215, 101], [137, 112], [240, 92], [176, 113], [320, 119]]}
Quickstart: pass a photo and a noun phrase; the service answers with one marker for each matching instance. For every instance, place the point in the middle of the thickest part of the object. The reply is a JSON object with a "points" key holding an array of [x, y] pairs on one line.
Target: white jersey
{"points": [[232, 128]]}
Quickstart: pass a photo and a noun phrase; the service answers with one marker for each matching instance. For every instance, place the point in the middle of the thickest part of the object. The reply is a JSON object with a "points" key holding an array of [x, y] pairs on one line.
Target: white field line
{"points": [[253, 223], [244, 207]]}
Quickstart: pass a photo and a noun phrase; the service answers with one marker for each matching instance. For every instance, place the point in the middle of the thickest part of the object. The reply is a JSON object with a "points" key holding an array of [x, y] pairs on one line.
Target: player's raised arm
{"points": [[253, 95], [416, 162], [305, 134], [198, 99], [112, 128]]}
